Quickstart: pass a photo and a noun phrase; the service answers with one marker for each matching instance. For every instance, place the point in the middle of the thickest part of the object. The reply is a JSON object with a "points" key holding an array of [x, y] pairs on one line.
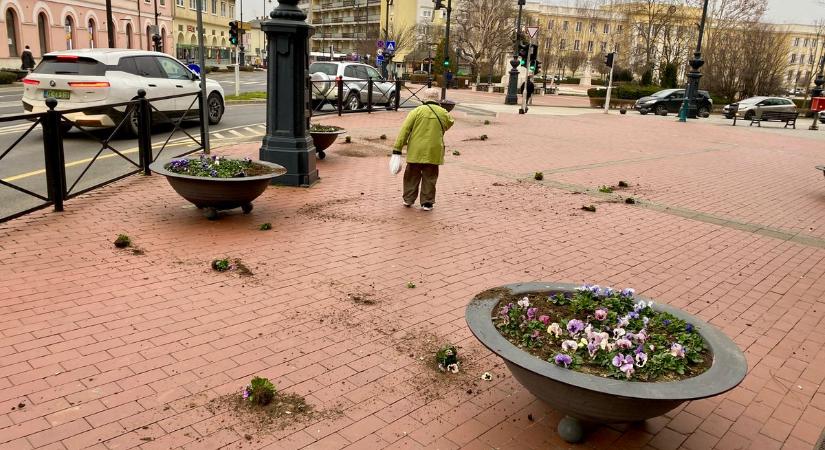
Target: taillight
{"points": [[31, 81], [89, 84], [67, 57]]}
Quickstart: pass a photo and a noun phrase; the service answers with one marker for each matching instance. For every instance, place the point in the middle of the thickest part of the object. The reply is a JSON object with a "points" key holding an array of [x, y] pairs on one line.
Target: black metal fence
{"points": [[346, 96], [139, 115]]}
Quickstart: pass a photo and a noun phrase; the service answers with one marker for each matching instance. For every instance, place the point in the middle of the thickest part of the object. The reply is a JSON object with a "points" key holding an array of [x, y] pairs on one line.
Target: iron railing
{"points": [[140, 112], [367, 95]]}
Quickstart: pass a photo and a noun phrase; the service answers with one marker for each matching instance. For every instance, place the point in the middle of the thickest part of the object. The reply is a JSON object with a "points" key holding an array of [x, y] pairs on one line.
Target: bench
{"points": [[775, 116]]}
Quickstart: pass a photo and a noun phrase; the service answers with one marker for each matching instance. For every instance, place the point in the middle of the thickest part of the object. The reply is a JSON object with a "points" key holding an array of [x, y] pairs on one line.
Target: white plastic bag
{"points": [[395, 164]]}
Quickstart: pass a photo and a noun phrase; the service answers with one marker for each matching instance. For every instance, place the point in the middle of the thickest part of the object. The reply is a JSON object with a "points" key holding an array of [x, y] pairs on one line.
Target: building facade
{"points": [[806, 50], [345, 27], [51, 25], [216, 15]]}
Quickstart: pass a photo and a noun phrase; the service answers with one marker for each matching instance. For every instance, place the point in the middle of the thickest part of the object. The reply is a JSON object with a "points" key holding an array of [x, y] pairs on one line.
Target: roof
{"points": [[106, 55]]}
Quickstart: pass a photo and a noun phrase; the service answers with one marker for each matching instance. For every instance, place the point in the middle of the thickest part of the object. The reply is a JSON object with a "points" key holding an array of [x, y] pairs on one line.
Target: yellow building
{"points": [[415, 27], [806, 48], [216, 17], [345, 26]]}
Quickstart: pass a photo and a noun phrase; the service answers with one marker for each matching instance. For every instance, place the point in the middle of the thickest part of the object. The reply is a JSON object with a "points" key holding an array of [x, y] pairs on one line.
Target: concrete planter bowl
{"points": [[323, 139], [588, 399], [215, 194]]}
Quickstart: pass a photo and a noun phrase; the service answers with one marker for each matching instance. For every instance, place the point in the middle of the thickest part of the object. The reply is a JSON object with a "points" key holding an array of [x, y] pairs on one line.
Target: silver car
{"points": [[354, 78], [749, 107]]}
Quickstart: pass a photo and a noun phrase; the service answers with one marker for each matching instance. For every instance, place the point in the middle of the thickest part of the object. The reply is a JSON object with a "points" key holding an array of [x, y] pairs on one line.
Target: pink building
{"points": [[47, 26]]}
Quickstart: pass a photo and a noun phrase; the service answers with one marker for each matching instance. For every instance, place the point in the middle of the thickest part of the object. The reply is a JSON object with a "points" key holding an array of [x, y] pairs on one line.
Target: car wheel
{"points": [[704, 112], [661, 110], [131, 126], [644, 113], [214, 107], [392, 101], [353, 102], [749, 115]]}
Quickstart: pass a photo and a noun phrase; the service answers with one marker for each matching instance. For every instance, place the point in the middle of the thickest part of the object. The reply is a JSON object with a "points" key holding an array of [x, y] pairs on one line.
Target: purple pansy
{"points": [[562, 359], [575, 326]]}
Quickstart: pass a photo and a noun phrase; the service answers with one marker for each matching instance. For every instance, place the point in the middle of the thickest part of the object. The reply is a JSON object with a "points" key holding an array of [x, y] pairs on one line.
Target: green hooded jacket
{"points": [[422, 134]]}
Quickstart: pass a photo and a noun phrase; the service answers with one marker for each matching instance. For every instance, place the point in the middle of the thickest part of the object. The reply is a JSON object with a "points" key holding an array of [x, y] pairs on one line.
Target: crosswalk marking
{"points": [[236, 133], [256, 131], [218, 135]]}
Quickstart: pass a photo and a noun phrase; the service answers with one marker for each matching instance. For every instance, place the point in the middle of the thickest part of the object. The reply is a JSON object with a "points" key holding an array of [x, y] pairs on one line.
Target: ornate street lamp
{"points": [[512, 86], [689, 106]]}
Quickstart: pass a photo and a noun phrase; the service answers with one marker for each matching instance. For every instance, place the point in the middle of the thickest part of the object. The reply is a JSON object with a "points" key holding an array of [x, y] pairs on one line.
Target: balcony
{"points": [[348, 4]]}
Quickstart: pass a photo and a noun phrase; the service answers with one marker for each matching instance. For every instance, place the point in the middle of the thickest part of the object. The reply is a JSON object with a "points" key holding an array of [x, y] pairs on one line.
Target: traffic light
{"points": [[534, 52], [233, 32], [438, 4], [446, 62], [523, 48], [536, 68], [608, 59]]}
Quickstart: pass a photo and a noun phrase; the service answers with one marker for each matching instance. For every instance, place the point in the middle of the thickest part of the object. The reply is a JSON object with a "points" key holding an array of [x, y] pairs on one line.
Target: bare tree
{"points": [[574, 60], [815, 54], [484, 30], [656, 16]]}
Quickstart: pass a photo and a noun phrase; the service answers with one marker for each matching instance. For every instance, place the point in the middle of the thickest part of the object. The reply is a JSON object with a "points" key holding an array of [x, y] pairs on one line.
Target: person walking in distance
{"points": [[423, 134], [27, 60]]}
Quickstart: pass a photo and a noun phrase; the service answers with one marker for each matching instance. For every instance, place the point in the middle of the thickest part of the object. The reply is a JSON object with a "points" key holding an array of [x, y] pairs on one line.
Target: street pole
{"points": [[447, 49], [241, 57], [609, 87], [157, 29], [693, 77], [512, 89], [386, 38], [110, 25], [202, 63], [237, 73]]}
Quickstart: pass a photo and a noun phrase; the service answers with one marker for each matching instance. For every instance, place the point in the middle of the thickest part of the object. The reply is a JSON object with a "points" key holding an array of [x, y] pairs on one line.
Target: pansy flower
{"points": [[562, 359], [628, 292], [545, 319], [600, 314], [575, 326], [677, 350], [569, 345], [524, 303], [554, 329]]}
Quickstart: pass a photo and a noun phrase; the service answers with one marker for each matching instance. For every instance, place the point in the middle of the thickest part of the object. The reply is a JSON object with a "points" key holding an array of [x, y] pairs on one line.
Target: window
{"points": [[590, 46], [173, 69], [81, 66], [193, 4], [326, 68], [619, 28], [147, 66], [92, 33], [796, 42], [603, 47], [11, 31], [806, 42], [215, 7], [551, 24], [565, 25], [232, 11], [793, 58], [203, 5], [179, 3], [592, 27], [69, 27], [616, 48], [162, 2], [577, 45], [801, 58], [128, 35], [372, 73], [790, 75], [548, 43], [578, 27], [562, 44], [350, 71], [606, 28], [43, 33], [223, 9]]}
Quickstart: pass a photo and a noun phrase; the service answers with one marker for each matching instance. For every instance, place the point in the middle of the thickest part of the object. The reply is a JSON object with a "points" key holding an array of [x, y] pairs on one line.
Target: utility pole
{"points": [[512, 88], [387, 58], [202, 63], [447, 50], [694, 75], [110, 25], [612, 59], [241, 56]]}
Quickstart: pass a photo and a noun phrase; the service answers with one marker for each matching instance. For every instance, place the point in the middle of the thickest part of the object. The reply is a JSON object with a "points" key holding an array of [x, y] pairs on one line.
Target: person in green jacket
{"points": [[423, 134]]}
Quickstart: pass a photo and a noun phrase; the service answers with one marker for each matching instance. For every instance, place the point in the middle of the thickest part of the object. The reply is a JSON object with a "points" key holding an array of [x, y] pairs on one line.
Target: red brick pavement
{"points": [[111, 350]]}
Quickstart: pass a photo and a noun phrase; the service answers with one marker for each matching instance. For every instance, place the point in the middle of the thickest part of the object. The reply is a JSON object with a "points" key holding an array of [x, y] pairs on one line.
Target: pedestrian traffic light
{"points": [[438, 4], [447, 62], [536, 66], [608, 59], [523, 48], [233, 32]]}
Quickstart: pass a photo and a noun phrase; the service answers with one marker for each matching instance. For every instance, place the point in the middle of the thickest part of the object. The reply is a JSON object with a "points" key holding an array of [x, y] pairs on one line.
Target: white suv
{"points": [[354, 78], [97, 78]]}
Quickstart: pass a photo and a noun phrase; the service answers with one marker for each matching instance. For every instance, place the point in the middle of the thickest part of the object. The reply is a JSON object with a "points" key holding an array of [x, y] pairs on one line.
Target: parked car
{"points": [[97, 78], [354, 78], [748, 107], [670, 100]]}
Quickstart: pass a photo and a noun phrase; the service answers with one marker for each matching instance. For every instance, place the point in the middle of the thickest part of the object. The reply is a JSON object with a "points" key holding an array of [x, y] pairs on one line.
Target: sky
{"points": [[780, 11]]}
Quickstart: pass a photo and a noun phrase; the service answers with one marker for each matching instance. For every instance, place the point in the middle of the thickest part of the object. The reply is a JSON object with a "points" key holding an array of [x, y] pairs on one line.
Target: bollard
{"points": [[370, 84], [144, 116], [53, 154]]}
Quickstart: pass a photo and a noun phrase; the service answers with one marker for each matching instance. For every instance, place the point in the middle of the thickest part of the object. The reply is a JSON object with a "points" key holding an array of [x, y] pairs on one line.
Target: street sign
{"points": [[379, 44], [532, 31], [379, 59], [390, 46]]}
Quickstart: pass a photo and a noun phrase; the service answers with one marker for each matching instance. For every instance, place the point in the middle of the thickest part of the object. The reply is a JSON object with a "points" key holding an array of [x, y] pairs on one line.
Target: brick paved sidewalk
{"points": [[108, 349]]}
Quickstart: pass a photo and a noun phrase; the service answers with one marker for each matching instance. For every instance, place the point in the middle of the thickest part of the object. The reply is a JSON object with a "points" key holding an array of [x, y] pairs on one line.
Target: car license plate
{"points": [[57, 94]]}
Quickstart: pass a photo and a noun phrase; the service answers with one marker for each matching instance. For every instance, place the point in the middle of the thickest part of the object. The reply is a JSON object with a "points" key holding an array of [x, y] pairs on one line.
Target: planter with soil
{"points": [[214, 184], [635, 371], [323, 136]]}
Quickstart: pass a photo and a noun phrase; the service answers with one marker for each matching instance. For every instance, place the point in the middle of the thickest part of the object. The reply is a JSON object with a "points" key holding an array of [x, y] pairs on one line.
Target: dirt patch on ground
{"points": [[343, 209], [358, 150]]}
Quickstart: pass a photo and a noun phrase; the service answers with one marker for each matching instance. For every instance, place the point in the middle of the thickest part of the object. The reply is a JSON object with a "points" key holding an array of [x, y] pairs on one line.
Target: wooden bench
{"points": [[775, 116]]}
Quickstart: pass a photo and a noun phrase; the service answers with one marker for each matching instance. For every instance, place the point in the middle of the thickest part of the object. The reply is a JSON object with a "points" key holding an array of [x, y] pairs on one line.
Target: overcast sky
{"points": [[781, 11]]}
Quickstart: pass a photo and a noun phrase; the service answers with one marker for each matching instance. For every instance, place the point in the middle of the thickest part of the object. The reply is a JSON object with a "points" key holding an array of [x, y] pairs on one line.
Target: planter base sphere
{"points": [[211, 213], [570, 429]]}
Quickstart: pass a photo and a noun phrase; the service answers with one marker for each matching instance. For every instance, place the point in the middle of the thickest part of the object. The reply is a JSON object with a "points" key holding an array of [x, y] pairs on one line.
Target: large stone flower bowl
{"points": [[589, 399], [214, 194], [322, 140]]}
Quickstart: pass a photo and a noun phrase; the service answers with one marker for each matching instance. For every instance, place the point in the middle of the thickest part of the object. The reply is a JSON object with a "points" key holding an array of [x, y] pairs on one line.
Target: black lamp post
{"points": [[512, 88], [688, 105], [447, 61]]}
